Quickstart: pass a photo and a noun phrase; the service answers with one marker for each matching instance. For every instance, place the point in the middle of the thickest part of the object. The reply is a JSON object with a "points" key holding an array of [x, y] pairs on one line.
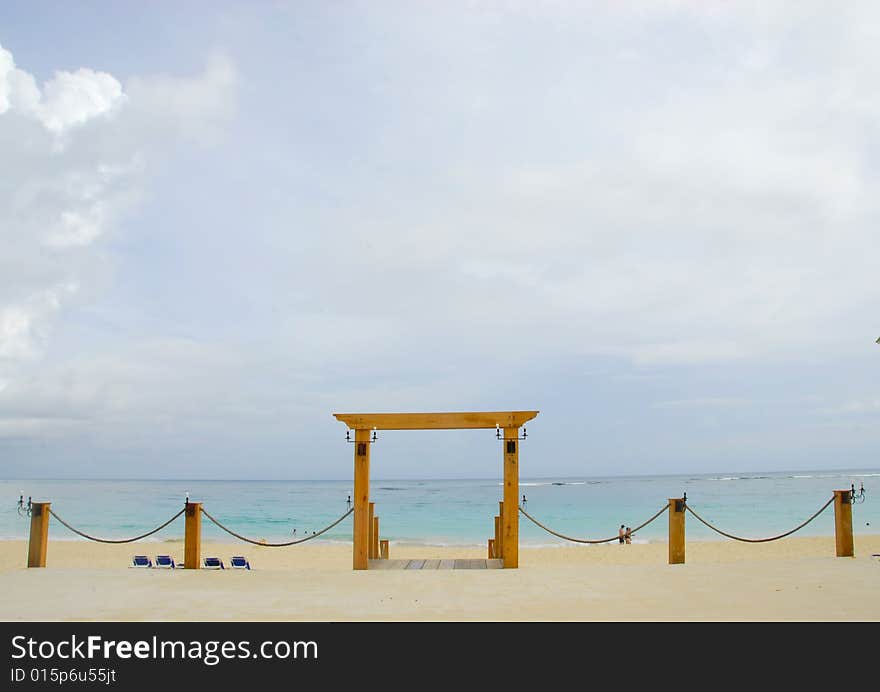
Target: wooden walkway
{"points": [[436, 564]]}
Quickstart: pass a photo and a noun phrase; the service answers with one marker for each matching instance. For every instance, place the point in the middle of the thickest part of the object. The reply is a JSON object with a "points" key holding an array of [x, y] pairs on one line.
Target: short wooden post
{"points": [[490, 553], [383, 549], [843, 534], [499, 544], [510, 516], [676, 531], [39, 540], [192, 536], [371, 513], [362, 523], [375, 546]]}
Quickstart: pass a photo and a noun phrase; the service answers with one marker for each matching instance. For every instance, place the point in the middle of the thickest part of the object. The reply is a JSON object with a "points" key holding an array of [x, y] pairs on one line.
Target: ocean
{"points": [[450, 512]]}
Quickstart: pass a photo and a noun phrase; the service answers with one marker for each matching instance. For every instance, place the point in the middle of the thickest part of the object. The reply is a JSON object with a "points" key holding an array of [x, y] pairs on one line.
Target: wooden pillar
{"points": [[383, 549], [374, 546], [192, 536], [510, 515], [371, 513], [676, 531], [490, 552], [843, 535], [39, 540], [362, 523]]}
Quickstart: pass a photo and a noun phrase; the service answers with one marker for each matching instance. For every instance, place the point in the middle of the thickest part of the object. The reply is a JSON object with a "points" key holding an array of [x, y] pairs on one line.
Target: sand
{"points": [[794, 579]]}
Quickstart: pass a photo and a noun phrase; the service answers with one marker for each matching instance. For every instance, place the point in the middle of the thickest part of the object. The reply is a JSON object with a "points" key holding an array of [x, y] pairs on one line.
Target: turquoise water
{"points": [[450, 512]]}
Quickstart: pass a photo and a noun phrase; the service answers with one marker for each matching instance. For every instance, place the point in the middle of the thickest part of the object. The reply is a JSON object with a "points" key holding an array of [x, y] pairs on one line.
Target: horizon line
{"points": [[853, 471]]}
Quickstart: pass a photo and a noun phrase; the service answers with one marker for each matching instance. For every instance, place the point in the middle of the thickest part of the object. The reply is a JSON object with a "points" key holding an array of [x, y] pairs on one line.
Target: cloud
{"points": [[67, 100], [76, 153]]}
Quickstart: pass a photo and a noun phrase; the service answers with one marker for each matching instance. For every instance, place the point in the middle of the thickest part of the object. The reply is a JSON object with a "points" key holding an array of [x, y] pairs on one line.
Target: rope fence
{"points": [[275, 545], [585, 540], [759, 540], [109, 540], [677, 508]]}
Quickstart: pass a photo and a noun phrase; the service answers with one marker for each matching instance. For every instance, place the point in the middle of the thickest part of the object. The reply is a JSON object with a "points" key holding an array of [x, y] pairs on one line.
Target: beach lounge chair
{"points": [[165, 561], [141, 561], [239, 562], [214, 563]]}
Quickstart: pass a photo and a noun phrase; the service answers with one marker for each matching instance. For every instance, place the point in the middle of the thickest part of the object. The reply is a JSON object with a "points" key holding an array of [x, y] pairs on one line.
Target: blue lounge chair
{"points": [[141, 561], [214, 563], [239, 562], [165, 561]]}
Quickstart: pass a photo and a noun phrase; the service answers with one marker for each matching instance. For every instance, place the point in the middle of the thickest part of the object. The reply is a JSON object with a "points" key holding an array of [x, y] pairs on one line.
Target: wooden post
{"points": [[39, 540], [192, 536], [371, 513], [490, 553], [510, 515], [375, 546], [676, 531], [383, 549], [843, 535], [499, 534], [361, 537]]}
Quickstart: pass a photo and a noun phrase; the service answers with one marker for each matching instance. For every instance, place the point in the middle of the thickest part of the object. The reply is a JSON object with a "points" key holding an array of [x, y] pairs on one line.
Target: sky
{"points": [[653, 222]]}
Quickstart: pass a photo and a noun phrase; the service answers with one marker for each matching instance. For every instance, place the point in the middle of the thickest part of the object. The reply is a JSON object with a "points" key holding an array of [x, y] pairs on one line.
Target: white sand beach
{"points": [[794, 579]]}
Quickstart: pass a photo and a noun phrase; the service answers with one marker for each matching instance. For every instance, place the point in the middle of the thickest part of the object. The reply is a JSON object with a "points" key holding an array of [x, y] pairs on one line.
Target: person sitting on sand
{"points": [[628, 535], [620, 535]]}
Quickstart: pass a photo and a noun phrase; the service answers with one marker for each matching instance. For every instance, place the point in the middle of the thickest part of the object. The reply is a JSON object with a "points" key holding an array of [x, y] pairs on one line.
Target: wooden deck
{"points": [[436, 564]]}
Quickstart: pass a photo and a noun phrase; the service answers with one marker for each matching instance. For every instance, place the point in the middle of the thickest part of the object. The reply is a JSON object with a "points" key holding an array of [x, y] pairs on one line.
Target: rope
{"points": [[760, 540], [584, 540], [276, 545], [108, 540]]}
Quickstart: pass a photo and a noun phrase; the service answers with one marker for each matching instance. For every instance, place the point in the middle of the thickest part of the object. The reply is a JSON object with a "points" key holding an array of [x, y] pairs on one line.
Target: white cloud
{"points": [[74, 98], [23, 326], [67, 100], [75, 154]]}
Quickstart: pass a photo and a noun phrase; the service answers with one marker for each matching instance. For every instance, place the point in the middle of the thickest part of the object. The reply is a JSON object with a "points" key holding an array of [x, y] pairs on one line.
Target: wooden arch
{"points": [[363, 425]]}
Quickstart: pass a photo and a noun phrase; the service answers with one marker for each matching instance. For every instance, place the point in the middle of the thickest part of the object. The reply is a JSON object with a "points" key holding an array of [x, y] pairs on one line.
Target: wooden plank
{"points": [[478, 564], [431, 564], [435, 421], [380, 564], [447, 564], [361, 537], [415, 564], [494, 564], [462, 564]]}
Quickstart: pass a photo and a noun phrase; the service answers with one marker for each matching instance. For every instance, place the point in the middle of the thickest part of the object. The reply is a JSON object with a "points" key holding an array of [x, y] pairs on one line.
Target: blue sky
{"points": [[222, 222]]}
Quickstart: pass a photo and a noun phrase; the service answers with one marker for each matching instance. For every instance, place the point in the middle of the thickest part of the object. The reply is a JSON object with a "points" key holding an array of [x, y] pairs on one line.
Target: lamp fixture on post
{"points": [[372, 439], [498, 435], [857, 498]]}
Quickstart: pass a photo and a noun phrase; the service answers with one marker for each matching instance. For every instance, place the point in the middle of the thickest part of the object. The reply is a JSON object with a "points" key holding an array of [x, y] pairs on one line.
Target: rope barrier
{"points": [[760, 540], [276, 545], [593, 542], [108, 540]]}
